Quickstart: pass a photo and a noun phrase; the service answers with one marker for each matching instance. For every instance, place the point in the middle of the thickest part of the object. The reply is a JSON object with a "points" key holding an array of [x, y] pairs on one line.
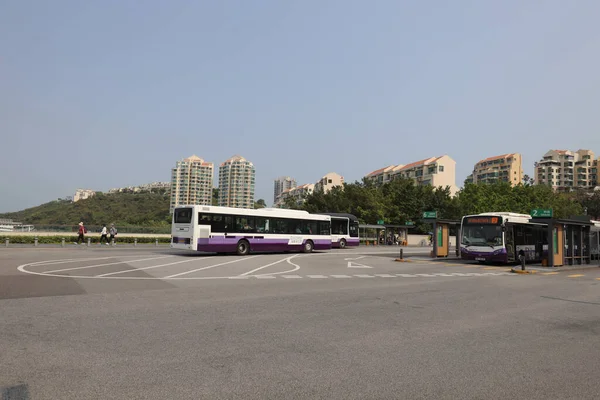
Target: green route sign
{"points": [[430, 215], [541, 213], [409, 223], [380, 222]]}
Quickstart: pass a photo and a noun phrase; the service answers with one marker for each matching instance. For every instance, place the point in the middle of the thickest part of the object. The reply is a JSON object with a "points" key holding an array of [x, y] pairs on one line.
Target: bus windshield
{"points": [[481, 235], [182, 216]]}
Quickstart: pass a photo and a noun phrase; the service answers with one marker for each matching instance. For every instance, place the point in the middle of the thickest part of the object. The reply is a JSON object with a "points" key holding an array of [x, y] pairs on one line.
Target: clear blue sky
{"points": [[101, 94]]}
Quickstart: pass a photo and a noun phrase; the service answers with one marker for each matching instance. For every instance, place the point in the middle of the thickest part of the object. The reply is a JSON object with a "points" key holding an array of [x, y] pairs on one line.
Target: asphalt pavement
{"points": [[105, 323]]}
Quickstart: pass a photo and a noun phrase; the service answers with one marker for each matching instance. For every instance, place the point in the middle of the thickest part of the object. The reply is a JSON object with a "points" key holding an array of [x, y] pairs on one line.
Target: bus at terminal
{"points": [[500, 237], [242, 231], [344, 230]]}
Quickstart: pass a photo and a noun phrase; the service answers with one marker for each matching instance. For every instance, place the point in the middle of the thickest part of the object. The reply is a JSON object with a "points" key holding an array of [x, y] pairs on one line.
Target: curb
{"points": [[518, 271]]}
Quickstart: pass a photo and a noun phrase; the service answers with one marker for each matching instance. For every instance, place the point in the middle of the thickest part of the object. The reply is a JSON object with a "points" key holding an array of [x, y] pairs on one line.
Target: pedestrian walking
{"points": [[80, 234], [113, 232], [104, 235]]}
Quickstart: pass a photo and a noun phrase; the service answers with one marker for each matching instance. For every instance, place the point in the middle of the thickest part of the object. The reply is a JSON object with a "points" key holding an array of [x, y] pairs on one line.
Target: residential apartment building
{"points": [[298, 193], [281, 184], [433, 171], [191, 182], [329, 181], [236, 183], [504, 168], [142, 188], [82, 194], [566, 170], [383, 175]]}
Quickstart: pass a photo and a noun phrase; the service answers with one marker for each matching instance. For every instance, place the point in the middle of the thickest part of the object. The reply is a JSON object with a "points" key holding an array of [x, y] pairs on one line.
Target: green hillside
{"points": [[124, 209]]}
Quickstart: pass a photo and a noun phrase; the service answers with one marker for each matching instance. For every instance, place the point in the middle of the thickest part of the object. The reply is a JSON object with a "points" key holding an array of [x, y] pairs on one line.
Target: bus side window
{"points": [[324, 228], [227, 223], [244, 224], [313, 227], [262, 225]]}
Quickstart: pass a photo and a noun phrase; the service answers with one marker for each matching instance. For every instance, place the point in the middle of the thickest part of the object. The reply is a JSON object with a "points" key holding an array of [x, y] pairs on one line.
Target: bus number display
{"points": [[483, 220]]}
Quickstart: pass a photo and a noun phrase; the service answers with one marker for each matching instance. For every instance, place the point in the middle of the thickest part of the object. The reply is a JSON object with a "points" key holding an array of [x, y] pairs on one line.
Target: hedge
{"points": [[73, 238]]}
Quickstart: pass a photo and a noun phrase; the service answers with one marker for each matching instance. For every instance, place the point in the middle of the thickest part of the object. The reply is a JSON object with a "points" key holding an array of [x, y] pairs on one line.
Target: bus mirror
{"points": [[503, 228]]}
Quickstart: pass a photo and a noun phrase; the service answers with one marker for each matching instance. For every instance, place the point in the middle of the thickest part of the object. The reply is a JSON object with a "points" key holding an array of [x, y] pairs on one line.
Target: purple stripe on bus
{"points": [[224, 245]]}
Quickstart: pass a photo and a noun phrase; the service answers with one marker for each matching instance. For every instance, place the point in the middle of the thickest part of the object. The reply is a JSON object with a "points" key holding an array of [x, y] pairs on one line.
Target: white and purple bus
{"points": [[241, 231], [499, 237], [344, 230]]}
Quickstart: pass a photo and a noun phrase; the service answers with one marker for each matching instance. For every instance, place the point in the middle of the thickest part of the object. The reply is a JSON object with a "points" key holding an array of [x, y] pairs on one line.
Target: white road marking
{"points": [[152, 266], [364, 276], [291, 276], [427, 275], [210, 266], [266, 266], [406, 275], [356, 265], [317, 276], [357, 258], [264, 277], [385, 275], [341, 276], [444, 274], [103, 265], [69, 260], [66, 261], [288, 260], [238, 277]]}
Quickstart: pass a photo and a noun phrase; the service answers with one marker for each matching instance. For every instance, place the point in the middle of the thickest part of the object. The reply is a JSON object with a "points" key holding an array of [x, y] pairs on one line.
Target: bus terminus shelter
{"points": [[570, 241], [441, 236]]}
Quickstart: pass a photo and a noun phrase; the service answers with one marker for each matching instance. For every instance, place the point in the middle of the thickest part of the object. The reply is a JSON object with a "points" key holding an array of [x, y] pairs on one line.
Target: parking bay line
{"points": [[210, 266], [104, 265], [152, 266]]}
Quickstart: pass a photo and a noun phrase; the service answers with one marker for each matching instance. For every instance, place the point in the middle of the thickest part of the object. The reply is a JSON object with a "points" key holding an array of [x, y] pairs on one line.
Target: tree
{"points": [[527, 180], [260, 203], [215, 197], [291, 203], [590, 202]]}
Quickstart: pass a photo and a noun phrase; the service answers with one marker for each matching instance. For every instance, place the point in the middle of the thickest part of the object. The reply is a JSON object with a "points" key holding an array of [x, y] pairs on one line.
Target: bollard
{"points": [[62, 243], [35, 241], [89, 241], [401, 254], [6, 242], [112, 242], [135, 242], [156, 243], [522, 263]]}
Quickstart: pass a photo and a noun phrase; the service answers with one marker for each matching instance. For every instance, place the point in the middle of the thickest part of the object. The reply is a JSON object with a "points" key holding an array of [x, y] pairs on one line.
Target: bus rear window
{"points": [[182, 216]]}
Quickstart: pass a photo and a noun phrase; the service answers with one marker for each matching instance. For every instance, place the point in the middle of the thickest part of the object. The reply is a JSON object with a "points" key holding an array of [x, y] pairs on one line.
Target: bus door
{"points": [[509, 242]]}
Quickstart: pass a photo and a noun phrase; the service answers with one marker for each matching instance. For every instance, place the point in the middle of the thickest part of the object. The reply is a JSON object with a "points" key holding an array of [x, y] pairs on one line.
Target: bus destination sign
{"points": [[482, 220]]}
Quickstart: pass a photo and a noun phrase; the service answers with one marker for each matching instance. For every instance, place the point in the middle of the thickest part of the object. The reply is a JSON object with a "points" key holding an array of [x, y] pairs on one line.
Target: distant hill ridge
{"points": [[140, 209]]}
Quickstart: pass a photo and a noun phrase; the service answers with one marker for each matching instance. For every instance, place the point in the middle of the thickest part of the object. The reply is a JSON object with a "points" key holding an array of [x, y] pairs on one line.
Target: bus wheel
{"points": [[343, 244], [243, 248], [308, 246]]}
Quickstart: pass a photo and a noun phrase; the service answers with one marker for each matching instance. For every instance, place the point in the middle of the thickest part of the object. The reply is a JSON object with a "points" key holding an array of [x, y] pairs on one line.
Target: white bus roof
{"points": [[261, 212], [506, 216]]}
